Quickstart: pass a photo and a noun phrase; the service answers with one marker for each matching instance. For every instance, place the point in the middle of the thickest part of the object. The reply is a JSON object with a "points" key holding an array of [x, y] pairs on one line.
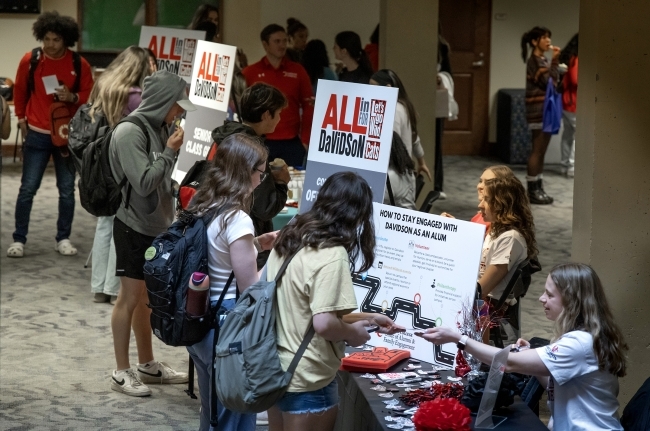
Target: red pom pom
{"points": [[443, 414]]}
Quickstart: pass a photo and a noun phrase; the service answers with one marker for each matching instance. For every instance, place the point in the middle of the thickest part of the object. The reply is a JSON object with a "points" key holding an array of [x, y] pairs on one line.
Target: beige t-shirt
{"points": [[316, 281], [510, 249]]}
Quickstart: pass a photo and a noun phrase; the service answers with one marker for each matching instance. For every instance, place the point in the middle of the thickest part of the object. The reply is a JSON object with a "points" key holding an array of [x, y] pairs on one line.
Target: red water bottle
{"points": [[198, 295]]}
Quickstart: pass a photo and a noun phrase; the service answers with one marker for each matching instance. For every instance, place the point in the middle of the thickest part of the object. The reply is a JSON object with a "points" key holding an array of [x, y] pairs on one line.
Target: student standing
{"points": [[538, 72], [149, 212], [291, 137], [32, 105], [569, 56]]}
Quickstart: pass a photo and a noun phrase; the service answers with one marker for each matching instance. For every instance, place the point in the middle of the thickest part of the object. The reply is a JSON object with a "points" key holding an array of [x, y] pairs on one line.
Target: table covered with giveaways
{"points": [[362, 409]]}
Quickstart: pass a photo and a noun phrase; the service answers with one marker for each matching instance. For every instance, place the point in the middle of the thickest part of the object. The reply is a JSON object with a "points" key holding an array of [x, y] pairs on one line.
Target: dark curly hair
{"points": [[64, 26]]}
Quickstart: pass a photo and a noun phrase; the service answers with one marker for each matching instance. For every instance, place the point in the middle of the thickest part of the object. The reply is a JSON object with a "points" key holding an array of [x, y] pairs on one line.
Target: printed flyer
{"points": [[352, 130], [174, 48], [425, 269]]}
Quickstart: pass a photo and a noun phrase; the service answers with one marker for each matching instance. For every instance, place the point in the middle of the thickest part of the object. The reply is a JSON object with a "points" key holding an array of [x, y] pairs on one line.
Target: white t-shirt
{"points": [[510, 249], [219, 266], [580, 396], [402, 125]]}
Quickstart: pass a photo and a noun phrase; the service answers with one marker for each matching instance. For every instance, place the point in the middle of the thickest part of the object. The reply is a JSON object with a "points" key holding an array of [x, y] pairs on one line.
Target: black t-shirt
{"points": [[358, 76]]}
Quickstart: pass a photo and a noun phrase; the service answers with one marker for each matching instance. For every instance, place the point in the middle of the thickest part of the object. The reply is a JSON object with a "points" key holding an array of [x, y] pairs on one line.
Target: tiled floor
{"points": [[56, 346]]}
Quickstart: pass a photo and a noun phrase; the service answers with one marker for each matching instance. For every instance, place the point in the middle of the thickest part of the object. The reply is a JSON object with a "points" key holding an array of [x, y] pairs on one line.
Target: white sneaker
{"points": [[161, 373], [443, 196], [262, 419], [128, 382]]}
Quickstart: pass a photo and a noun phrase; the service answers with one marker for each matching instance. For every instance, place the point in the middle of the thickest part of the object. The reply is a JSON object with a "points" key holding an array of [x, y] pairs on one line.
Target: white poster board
{"points": [[174, 48], [425, 269], [214, 65], [352, 130]]}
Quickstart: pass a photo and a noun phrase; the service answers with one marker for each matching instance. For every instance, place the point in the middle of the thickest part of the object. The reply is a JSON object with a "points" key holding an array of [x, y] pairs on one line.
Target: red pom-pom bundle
{"points": [[443, 414]]}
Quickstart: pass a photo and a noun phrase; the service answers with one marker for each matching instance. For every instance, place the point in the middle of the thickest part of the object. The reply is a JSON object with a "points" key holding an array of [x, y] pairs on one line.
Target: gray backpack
{"points": [[248, 375]]}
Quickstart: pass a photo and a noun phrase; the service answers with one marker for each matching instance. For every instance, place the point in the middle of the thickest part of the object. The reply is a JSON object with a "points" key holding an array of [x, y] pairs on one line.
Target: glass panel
{"points": [[175, 13], [111, 24]]}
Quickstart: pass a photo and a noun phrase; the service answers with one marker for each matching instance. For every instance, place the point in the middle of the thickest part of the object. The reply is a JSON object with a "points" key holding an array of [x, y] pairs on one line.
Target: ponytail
{"points": [[528, 38]]}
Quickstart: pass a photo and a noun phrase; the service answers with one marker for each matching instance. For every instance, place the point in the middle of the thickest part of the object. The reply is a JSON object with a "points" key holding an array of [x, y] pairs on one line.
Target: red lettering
{"points": [[330, 114], [343, 126], [356, 128], [162, 49], [171, 51], [153, 45], [208, 75], [201, 73]]}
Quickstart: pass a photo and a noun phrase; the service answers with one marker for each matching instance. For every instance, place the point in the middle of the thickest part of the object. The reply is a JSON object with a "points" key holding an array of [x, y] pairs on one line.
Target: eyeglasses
{"points": [[263, 175]]}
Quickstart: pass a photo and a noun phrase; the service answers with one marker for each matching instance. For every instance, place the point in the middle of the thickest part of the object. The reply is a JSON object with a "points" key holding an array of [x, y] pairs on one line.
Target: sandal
{"points": [[16, 249], [65, 248]]}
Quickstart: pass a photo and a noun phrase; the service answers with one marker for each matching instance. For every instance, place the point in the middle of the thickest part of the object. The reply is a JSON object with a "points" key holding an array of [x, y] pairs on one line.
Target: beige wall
{"points": [[510, 20], [16, 33], [246, 18], [611, 195]]}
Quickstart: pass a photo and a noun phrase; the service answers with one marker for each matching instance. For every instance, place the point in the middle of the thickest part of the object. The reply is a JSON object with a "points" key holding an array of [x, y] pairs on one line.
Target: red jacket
{"points": [[37, 108], [292, 80], [570, 81]]}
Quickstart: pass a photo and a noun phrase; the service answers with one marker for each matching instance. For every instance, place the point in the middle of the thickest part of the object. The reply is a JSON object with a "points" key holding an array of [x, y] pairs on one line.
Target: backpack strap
{"points": [[76, 64], [138, 122], [310, 331], [33, 64]]}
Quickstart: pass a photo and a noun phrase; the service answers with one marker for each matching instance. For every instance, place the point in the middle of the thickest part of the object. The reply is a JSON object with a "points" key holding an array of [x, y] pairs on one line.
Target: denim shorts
{"points": [[318, 401]]}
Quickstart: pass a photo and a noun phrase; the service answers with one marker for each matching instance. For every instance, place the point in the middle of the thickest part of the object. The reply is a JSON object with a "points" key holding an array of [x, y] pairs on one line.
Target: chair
{"points": [[516, 288], [636, 415]]}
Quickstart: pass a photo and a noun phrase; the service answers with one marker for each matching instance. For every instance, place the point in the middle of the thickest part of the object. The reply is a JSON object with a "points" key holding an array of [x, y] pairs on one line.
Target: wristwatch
{"points": [[462, 342]]}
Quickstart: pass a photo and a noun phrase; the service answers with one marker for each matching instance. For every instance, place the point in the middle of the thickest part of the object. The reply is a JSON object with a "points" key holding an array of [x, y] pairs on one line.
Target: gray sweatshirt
{"points": [[150, 209]]}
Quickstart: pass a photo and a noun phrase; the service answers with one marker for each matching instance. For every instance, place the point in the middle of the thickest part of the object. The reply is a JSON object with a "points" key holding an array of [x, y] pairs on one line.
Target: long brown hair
{"points": [[341, 216], [227, 184], [510, 208], [586, 309]]}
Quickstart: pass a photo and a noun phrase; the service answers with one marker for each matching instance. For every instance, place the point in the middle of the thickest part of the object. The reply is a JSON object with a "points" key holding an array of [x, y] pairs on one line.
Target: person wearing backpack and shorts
{"points": [[237, 169], [116, 94], [32, 105], [146, 159], [317, 288]]}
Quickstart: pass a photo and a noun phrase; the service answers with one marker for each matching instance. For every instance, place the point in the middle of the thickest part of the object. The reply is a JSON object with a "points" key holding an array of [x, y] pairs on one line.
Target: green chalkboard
{"points": [[112, 25]]}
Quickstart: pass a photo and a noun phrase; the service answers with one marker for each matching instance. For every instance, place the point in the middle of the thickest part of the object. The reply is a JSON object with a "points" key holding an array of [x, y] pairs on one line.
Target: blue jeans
{"points": [[36, 154], [314, 402], [203, 356]]}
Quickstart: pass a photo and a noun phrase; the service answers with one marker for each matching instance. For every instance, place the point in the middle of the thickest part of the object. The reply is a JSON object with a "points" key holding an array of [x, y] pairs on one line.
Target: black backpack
{"points": [[99, 193], [83, 130], [179, 252]]}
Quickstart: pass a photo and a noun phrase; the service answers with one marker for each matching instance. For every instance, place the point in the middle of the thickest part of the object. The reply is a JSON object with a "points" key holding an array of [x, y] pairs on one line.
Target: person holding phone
{"points": [[333, 239], [581, 366]]}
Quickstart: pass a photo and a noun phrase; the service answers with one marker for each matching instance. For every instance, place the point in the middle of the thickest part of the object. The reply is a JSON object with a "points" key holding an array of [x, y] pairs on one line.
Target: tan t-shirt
{"points": [[316, 281], [510, 249]]}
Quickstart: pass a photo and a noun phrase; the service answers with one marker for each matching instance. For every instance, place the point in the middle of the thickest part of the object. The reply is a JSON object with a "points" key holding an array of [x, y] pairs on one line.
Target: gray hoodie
{"points": [[150, 209]]}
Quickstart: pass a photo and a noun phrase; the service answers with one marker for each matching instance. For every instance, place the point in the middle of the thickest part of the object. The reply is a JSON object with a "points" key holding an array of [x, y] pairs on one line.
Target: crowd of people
{"points": [[241, 194]]}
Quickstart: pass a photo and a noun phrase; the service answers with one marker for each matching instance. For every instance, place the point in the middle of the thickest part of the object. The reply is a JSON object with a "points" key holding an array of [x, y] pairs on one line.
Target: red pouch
{"points": [[60, 116]]}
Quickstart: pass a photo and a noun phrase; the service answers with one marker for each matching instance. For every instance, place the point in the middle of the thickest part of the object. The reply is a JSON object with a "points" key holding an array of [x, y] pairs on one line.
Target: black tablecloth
{"points": [[361, 409]]}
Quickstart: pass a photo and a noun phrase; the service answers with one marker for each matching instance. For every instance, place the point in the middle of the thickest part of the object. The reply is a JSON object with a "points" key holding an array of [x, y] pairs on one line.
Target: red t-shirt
{"points": [[478, 218], [292, 80], [37, 108], [570, 81]]}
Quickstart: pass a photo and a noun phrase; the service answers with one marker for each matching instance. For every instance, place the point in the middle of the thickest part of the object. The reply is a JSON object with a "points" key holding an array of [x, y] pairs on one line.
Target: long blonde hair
{"points": [[111, 91], [586, 309]]}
